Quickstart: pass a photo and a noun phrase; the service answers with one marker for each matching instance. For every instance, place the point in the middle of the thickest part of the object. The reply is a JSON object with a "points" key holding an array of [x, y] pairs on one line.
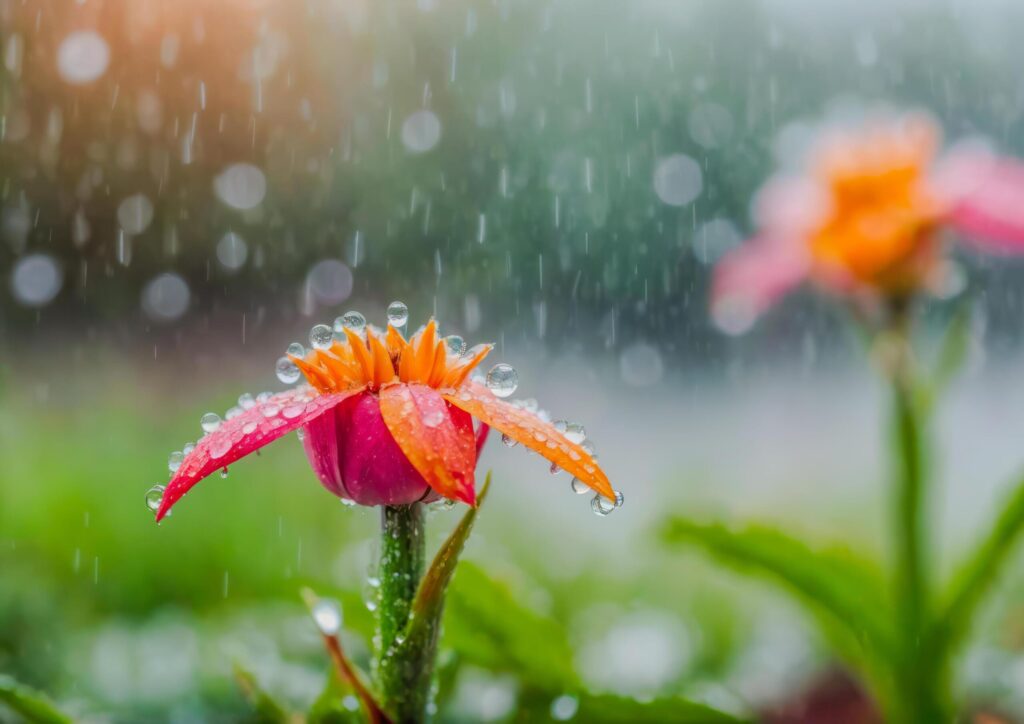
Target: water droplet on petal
{"points": [[327, 616], [174, 461], [554, 469], [154, 497], [287, 371], [246, 401], [575, 432], [502, 380], [601, 505], [189, 447], [579, 487], [508, 441], [220, 447], [321, 336], [398, 314], [433, 418], [296, 350], [350, 320], [233, 413], [209, 422], [292, 411], [455, 344]]}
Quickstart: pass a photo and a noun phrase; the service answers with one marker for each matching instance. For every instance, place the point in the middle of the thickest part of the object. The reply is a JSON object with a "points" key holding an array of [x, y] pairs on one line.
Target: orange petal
{"points": [[541, 437], [317, 377], [396, 344], [361, 353], [383, 370], [440, 364], [437, 439], [460, 372], [425, 352], [344, 372]]}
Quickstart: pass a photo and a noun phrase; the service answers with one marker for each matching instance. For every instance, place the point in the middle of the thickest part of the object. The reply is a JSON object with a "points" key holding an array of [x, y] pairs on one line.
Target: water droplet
{"points": [[321, 336], [224, 472], [398, 314], [554, 469], [456, 345], [327, 616], [601, 505], [349, 320], [564, 707], [250, 428], [174, 461], [220, 446], [246, 401], [188, 447], [508, 441], [433, 418], [155, 497], [579, 487], [348, 502], [575, 432], [287, 371], [502, 380], [292, 411], [210, 422], [296, 350], [233, 413]]}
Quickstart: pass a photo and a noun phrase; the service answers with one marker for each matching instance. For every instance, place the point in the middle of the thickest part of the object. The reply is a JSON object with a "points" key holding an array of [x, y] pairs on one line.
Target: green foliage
{"points": [[266, 710], [30, 704], [845, 590], [669, 710], [489, 628]]}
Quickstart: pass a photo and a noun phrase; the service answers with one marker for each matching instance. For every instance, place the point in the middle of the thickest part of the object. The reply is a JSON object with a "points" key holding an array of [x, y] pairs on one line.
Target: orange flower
{"points": [[387, 421], [865, 218]]}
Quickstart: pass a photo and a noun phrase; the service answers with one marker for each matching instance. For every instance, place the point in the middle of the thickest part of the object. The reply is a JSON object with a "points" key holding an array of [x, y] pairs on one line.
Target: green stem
{"points": [[403, 694], [920, 674]]}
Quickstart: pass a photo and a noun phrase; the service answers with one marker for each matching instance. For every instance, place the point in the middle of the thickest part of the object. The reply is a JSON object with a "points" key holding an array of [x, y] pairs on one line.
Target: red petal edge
{"points": [[235, 438]]}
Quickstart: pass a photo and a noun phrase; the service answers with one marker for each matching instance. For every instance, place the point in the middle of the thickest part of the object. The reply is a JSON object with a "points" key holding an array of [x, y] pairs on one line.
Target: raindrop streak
{"points": [[502, 380]]}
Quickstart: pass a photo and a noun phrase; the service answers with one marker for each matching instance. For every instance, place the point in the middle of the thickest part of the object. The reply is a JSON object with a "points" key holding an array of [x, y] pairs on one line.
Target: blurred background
{"points": [[188, 186]]}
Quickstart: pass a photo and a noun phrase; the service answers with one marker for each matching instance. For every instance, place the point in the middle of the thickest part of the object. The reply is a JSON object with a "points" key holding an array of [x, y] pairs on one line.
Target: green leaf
{"points": [[31, 704], [489, 628], [847, 593], [265, 709], [671, 710], [429, 602], [977, 574]]}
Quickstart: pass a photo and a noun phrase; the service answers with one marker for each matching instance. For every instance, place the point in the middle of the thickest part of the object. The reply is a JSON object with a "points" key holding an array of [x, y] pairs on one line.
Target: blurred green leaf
{"points": [[266, 710], [977, 574], [491, 629], [329, 707], [31, 704], [849, 593], [607, 708]]}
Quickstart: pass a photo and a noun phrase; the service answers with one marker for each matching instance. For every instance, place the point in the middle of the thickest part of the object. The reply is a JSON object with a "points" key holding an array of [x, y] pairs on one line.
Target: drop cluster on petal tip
{"points": [[154, 497]]}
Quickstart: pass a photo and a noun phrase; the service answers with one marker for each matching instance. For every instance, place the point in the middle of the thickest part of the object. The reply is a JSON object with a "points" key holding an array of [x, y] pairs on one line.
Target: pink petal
{"points": [[373, 468], [322, 450], [246, 433], [985, 195], [750, 279]]}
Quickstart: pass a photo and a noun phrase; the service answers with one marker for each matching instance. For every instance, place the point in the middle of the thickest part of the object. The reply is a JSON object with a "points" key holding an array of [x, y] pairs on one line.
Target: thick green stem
{"points": [[403, 694]]}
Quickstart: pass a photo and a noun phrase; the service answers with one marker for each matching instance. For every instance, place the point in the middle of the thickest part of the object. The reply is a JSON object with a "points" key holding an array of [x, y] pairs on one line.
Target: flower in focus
{"points": [[386, 421], [865, 218]]}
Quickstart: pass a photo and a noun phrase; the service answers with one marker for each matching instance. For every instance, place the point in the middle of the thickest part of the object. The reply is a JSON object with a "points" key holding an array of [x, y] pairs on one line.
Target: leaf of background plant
{"points": [[266, 710], [847, 592], [607, 708], [33, 705], [489, 628], [977, 574]]}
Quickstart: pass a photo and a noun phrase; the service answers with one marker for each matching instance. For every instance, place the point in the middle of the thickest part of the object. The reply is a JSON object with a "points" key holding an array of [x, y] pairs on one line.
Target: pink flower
{"points": [[865, 219], [387, 422]]}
